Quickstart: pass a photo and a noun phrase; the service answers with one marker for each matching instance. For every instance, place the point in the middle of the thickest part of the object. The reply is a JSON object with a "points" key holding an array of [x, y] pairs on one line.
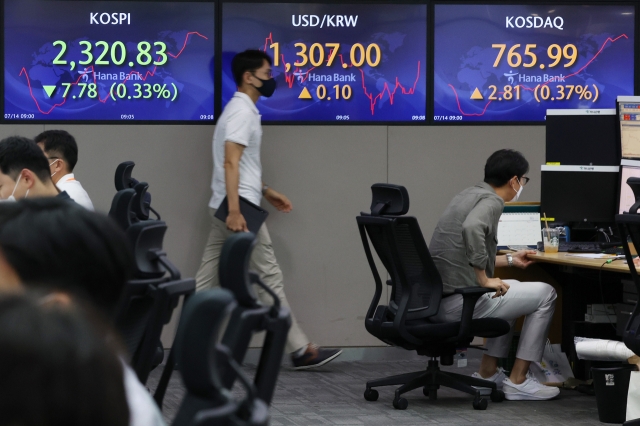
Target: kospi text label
{"points": [[116, 18]]}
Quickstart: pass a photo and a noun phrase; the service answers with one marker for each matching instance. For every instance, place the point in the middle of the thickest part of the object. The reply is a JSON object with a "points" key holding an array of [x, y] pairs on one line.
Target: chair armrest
{"points": [[470, 296], [473, 291]]}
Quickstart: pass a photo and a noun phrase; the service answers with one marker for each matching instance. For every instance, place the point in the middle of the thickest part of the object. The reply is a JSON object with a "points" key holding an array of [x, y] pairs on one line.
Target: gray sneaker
{"points": [[529, 390]]}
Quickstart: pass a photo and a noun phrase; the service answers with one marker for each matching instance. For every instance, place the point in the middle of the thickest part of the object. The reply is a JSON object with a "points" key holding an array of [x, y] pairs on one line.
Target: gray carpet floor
{"points": [[333, 395]]}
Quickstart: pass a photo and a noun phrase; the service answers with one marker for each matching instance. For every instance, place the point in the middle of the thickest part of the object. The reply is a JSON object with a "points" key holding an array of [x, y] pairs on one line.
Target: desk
{"points": [[565, 259], [583, 281]]}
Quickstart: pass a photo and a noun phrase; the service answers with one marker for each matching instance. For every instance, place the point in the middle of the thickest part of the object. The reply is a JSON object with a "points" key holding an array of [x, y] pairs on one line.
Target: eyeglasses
{"points": [[524, 180]]}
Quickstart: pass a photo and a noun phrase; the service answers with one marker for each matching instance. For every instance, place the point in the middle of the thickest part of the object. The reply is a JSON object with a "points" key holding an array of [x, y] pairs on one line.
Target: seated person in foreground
{"points": [[61, 150], [62, 250], [24, 171], [464, 247], [56, 369]]}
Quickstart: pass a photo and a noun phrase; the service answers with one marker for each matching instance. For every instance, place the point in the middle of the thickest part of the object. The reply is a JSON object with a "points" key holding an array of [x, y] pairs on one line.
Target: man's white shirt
{"points": [[239, 123], [75, 190]]}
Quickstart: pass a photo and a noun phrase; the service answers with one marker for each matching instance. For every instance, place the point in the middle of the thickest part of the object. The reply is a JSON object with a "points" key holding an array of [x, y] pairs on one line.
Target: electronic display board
{"points": [[513, 62], [333, 62], [108, 61]]}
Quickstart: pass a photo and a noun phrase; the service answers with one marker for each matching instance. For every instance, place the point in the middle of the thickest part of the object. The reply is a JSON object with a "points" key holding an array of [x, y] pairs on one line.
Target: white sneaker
{"points": [[497, 378], [529, 390]]}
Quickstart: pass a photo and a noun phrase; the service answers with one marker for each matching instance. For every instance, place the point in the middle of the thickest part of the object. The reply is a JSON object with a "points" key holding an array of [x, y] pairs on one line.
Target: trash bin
{"points": [[611, 386]]}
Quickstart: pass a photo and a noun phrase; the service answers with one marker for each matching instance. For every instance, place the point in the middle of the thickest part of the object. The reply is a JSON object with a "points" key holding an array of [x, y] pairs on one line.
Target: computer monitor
{"points": [[582, 136], [579, 194], [629, 169], [629, 115]]}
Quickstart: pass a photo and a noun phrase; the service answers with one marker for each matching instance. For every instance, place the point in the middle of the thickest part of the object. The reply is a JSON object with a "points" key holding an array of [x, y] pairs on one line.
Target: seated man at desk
{"points": [[464, 248]]}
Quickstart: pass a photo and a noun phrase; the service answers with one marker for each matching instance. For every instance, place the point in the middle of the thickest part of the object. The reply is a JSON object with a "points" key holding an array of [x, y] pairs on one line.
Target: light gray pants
{"points": [[535, 300], [263, 261]]}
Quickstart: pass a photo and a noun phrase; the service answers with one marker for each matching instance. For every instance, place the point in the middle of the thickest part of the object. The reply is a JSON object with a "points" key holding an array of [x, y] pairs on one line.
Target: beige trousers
{"points": [[263, 261]]}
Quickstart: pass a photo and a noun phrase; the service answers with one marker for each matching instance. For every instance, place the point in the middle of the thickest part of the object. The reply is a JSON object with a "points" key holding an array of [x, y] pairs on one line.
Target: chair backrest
{"points": [[629, 227], [146, 307], [207, 400], [250, 316]]}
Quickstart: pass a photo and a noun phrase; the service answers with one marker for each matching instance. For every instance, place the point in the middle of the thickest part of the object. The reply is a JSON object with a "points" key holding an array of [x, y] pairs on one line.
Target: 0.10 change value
{"points": [[116, 53]]}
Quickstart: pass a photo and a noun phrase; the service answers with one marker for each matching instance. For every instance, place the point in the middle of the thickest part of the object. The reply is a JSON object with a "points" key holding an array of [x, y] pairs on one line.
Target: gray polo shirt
{"points": [[467, 236]]}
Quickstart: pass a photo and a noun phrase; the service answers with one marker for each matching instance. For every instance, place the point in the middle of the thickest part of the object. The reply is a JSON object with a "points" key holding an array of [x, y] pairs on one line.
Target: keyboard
{"points": [[586, 247]]}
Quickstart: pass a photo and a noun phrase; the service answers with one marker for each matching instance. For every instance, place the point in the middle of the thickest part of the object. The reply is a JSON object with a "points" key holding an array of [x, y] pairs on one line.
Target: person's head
{"points": [[56, 368], [61, 150], [505, 171], [252, 73], [55, 245], [24, 170]]}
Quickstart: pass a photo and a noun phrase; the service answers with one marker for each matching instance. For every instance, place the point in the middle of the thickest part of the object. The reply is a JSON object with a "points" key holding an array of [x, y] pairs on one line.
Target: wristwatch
{"points": [[264, 189], [509, 260]]}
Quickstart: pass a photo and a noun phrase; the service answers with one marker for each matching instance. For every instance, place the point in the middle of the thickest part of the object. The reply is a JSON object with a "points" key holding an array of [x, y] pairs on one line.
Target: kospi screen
{"points": [[513, 62], [108, 61], [333, 62]]}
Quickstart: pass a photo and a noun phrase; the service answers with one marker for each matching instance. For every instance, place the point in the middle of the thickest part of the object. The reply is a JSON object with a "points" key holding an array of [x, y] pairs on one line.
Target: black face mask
{"points": [[267, 88]]}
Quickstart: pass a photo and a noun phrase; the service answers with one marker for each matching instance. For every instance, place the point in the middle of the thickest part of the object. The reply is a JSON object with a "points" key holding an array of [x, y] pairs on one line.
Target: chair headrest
{"points": [[123, 179], [389, 200], [234, 268], [196, 339]]}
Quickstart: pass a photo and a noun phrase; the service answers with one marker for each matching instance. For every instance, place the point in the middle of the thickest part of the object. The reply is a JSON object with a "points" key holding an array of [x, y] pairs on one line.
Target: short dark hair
{"points": [[62, 144], [503, 165], [18, 153], [249, 60], [56, 368], [52, 243]]}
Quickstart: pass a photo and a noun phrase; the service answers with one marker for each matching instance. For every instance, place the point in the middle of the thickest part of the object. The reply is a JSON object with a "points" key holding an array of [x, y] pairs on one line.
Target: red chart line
{"points": [[479, 114], [91, 68], [291, 77]]}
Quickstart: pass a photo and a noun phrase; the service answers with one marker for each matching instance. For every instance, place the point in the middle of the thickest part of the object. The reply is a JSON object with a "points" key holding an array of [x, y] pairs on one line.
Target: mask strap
{"points": [[16, 185]]}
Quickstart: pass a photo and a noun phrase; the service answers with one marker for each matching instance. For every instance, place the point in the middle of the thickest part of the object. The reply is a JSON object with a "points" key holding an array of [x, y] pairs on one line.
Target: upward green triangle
{"points": [[49, 89]]}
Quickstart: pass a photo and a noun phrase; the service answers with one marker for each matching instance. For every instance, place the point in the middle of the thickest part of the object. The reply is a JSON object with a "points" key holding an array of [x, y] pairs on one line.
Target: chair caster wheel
{"points": [[400, 404], [371, 394], [497, 396], [480, 403]]}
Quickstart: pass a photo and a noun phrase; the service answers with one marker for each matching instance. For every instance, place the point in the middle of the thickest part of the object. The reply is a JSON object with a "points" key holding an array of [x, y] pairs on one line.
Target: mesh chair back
{"points": [[399, 244]]}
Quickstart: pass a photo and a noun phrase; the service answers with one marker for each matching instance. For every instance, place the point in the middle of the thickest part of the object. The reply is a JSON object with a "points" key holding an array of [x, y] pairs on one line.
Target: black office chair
{"points": [[629, 226], [251, 317], [207, 400], [149, 299], [415, 298]]}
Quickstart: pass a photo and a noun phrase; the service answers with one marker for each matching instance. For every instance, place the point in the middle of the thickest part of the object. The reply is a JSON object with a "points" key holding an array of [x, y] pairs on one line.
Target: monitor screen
{"points": [[582, 137], [108, 61], [510, 63], [333, 62], [579, 194], [629, 114], [627, 199]]}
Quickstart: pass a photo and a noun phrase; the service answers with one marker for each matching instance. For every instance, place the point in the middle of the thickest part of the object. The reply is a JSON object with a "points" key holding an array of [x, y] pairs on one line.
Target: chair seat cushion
{"points": [[482, 327]]}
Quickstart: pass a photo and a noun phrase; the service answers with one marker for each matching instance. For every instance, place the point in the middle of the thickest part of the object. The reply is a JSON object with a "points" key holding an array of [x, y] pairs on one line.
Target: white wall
{"points": [[326, 171]]}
